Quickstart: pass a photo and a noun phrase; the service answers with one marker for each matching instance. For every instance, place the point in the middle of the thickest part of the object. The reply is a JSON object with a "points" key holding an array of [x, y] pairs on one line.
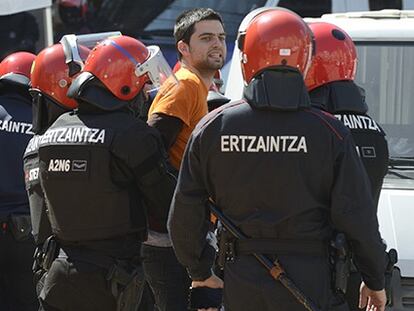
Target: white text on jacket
{"points": [[246, 143], [73, 135]]}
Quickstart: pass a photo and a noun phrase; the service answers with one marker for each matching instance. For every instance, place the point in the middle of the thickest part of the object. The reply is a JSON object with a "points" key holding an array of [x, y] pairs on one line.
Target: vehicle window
{"points": [[385, 72]]}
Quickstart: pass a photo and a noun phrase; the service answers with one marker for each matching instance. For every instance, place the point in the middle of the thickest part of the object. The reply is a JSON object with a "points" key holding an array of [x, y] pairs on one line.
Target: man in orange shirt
{"points": [[177, 108], [200, 42]]}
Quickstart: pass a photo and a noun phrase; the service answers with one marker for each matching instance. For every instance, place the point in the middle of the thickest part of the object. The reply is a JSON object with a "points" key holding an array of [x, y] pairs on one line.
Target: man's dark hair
{"points": [[185, 22]]}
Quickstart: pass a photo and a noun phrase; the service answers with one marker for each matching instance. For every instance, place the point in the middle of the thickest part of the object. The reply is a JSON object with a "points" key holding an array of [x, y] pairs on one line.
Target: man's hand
{"points": [[372, 299], [213, 282]]}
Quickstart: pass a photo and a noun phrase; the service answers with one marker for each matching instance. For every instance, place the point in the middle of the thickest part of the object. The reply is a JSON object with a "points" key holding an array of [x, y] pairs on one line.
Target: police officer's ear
{"points": [[183, 47]]}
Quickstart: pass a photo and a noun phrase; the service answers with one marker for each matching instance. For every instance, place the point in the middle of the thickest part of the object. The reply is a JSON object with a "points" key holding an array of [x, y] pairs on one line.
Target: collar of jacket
{"points": [[339, 96], [280, 88]]}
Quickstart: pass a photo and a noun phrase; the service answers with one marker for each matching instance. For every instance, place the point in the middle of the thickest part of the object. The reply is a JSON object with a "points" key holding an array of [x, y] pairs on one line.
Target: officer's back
{"points": [[83, 154], [101, 167], [275, 150], [15, 132], [288, 175], [102, 152], [344, 101], [16, 242], [331, 88]]}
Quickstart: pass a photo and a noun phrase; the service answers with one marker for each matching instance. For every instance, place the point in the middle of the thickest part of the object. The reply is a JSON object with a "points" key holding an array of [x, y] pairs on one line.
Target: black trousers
{"points": [[352, 291], [167, 278], [249, 287], [17, 290], [75, 285], [79, 279]]}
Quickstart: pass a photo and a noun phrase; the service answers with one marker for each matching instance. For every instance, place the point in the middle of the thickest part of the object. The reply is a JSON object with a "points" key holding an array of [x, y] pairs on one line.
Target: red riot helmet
{"points": [[271, 37], [16, 68], [335, 56], [50, 82], [50, 75], [124, 65]]}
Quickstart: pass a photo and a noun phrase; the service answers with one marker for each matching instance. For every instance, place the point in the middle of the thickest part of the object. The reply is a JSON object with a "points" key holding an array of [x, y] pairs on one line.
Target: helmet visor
{"points": [[71, 46], [156, 68]]}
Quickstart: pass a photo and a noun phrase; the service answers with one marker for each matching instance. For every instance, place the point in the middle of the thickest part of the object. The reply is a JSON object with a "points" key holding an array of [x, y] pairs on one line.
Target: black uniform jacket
{"points": [[15, 132], [103, 165], [45, 112], [345, 101], [278, 169], [41, 228]]}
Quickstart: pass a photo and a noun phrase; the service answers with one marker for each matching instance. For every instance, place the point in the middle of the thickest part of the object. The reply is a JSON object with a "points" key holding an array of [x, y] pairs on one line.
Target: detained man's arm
{"points": [[168, 126], [173, 109], [188, 221], [146, 160], [156, 183]]}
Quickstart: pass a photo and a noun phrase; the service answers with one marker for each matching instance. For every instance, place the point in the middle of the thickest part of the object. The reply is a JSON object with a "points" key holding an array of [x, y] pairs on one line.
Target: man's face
{"points": [[207, 46]]}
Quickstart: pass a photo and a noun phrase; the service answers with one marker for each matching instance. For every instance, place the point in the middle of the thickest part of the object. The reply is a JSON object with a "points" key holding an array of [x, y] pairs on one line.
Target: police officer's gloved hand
{"points": [[202, 298]]}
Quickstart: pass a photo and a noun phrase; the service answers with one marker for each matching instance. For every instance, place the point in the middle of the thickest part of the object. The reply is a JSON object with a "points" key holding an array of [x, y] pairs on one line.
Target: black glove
{"points": [[205, 297]]}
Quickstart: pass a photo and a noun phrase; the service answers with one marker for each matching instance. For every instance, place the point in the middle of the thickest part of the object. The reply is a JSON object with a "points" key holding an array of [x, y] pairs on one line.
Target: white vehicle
{"points": [[385, 44]]}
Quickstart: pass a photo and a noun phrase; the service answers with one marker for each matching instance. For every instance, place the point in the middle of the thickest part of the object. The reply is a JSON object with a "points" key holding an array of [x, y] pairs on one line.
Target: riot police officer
{"points": [[16, 243], [286, 174], [102, 171], [50, 81], [331, 88], [330, 81]]}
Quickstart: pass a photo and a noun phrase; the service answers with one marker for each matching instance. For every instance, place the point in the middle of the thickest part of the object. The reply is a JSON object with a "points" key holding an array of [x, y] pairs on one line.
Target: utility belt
{"points": [[231, 247], [19, 225], [125, 279]]}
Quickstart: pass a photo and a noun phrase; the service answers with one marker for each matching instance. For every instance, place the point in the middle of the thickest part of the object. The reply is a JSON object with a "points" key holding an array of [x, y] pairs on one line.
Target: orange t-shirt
{"points": [[187, 101]]}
